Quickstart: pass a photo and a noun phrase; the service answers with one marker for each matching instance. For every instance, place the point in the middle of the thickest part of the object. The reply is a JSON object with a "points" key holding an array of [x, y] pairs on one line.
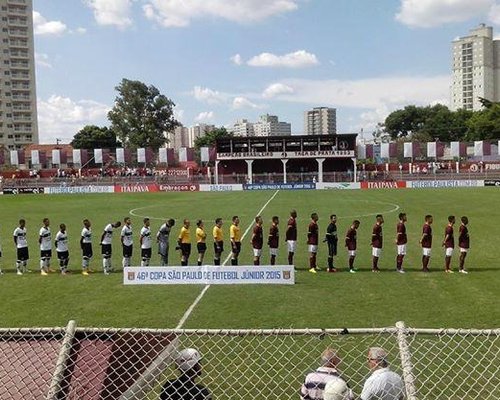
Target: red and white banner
{"points": [[383, 185], [482, 148], [137, 188], [179, 188]]}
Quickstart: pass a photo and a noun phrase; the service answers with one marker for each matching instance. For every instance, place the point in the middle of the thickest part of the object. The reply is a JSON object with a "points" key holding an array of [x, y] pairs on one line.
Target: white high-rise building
{"points": [[242, 128], [476, 69], [197, 131], [178, 138], [320, 121], [269, 125], [18, 113]]}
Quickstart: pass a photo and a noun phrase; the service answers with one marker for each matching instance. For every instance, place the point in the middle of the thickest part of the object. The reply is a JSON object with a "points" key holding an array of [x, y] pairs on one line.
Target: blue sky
{"points": [[221, 60]]}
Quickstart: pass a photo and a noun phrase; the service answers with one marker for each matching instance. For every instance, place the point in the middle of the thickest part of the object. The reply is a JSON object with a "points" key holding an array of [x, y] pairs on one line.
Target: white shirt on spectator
{"points": [[383, 384]]}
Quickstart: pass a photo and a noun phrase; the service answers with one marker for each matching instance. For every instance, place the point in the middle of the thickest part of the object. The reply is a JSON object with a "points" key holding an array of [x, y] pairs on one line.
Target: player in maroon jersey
{"points": [[377, 242], [426, 242], [401, 240], [257, 240], [463, 243], [312, 241], [449, 244], [291, 235], [273, 239], [351, 244]]}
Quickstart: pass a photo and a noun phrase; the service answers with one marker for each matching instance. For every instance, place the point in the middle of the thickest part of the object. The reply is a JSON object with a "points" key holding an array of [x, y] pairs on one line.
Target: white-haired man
{"points": [[383, 384], [185, 387], [315, 382]]}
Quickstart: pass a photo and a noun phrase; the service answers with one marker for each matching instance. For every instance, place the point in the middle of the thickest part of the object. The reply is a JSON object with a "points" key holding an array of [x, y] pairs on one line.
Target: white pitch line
{"points": [[200, 296]]}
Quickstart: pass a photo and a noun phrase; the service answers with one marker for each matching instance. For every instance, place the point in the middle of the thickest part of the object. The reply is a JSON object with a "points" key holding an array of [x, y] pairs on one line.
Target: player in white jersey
{"points": [[106, 250], [86, 246], [61, 243], [22, 247], [45, 241], [146, 243], [127, 242], [162, 237]]}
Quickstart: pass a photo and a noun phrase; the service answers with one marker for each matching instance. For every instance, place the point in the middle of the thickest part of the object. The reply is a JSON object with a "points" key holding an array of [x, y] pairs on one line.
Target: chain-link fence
{"points": [[84, 363]]}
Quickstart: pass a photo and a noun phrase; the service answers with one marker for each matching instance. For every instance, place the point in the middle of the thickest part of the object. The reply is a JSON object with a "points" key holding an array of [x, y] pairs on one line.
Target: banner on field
{"points": [[23, 190], [136, 188], [210, 275], [221, 188], [78, 189], [444, 184], [492, 182], [178, 188], [279, 186], [337, 185], [383, 185]]}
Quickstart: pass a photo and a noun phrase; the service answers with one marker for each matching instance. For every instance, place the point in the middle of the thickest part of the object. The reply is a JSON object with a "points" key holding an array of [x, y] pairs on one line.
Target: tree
{"points": [[141, 115], [210, 138], [95, 137], [485, 124], [402, 123]]}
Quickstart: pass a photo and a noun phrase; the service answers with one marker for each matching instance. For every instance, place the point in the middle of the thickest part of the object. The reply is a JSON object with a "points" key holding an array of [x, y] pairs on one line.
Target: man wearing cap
{"points": [[184, 387], [383, 384], [315, 382]]}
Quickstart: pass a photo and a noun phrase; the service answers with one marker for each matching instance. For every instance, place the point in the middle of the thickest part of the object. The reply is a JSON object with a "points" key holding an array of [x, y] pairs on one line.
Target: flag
{"points": [[408, 150], [56, 156], [183, 154], [361, 151], [77, 156], [384, 150], [35, 157], [120, 156], [205, 157], [141, 155], [162, 155], [98, 156], [14, 157]]}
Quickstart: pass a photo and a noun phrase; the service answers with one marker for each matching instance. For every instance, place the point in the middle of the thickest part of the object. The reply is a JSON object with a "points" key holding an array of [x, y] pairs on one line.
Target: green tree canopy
{"points": [[211, 137], [485, 124], [95, 137], [428, 123], [141, 115]]}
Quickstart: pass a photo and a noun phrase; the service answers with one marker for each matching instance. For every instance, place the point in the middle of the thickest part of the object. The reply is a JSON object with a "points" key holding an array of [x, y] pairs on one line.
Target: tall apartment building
{"points": [[320, 121], [197, 131], [18, 113], [178, 138], [476, 69], [268, 125]]}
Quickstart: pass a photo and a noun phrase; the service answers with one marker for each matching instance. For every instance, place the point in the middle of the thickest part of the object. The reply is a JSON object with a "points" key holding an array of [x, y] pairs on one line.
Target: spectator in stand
{"points": [[184, 387], [383, 384], [315, 383]]}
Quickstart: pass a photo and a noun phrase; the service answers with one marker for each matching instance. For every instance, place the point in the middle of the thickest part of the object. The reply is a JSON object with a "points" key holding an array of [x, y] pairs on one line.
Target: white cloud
{"points": [[80, 30], [494, 14], [43, 27], [430, 13], [276, 89], [368, 93], [297, 59], [42, 60], [242, 102], [180, 13], [207, 95], [205, 116], [179, 114], [112, 12], [236, 59], [61, 117]]}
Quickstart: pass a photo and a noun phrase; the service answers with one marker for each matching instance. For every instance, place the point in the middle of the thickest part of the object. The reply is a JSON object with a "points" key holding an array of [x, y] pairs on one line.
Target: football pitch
{"points": [[323, 300]]}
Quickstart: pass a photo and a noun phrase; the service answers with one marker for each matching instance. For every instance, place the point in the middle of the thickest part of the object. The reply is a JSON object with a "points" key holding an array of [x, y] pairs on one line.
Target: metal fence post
{"points": [[58, 376], [406, 364]]}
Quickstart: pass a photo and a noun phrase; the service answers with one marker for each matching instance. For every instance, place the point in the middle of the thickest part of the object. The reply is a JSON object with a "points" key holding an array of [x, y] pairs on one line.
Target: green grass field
{"points": [[321, 301]]}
